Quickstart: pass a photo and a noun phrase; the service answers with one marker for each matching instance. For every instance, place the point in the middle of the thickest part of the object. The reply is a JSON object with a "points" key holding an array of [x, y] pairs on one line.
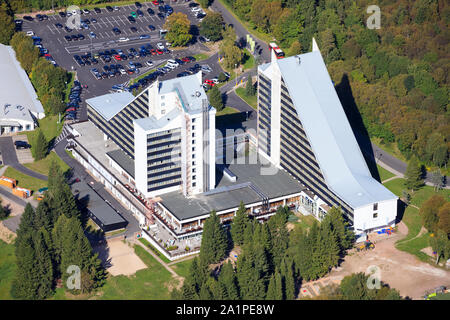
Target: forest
{"points": [[397, 75]]}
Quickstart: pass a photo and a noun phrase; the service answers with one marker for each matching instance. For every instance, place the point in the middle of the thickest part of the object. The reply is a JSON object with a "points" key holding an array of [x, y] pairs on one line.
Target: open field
{"points": [[7, 269], [182, 268], [156, 251], [151, 283]]}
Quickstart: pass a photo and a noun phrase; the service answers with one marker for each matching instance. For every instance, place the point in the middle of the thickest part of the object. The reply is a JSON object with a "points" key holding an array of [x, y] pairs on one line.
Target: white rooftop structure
{"points": [[15, 86], [108, 105]]}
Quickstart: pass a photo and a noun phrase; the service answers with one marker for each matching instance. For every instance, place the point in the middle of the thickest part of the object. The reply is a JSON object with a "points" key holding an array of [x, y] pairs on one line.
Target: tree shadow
{"points": [[345, 94]]}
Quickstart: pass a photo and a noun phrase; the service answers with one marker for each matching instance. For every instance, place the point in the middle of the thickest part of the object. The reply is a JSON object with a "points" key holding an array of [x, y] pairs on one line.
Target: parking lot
{"points": [[63, 51]]}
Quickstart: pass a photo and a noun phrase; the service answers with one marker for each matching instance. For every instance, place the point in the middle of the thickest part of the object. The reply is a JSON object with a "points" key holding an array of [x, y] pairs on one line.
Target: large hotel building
{"points": [[303, 129]]}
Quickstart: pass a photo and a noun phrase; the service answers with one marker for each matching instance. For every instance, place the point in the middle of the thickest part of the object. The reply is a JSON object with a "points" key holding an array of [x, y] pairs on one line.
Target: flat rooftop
{"points": [[123, 160], [248, 187], [91, 139], [96, 205]]}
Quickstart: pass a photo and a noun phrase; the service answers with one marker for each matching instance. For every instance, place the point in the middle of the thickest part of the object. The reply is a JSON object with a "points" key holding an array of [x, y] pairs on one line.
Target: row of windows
{"points": [[160, 182], [164, 166], [163, 151], [162, 136], [163, 159], [327, 195], [165, 177], [111, 131], [163, 172], [163, 186], [292, 138], [265, 80]]}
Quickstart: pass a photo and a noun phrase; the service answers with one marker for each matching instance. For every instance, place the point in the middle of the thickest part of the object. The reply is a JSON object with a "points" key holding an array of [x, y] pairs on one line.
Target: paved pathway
{"points": [[10, 158]]}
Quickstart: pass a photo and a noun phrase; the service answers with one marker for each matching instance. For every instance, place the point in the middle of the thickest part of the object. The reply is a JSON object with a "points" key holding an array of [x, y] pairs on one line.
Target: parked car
{"points": [[21, 144]]}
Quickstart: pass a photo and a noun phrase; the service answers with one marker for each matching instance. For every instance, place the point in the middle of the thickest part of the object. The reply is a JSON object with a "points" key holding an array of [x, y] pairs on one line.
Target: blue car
{"points": [[144, 36]]}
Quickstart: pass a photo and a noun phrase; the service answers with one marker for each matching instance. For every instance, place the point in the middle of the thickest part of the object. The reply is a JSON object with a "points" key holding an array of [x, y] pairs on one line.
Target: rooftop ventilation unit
{"points": [[299, 60], [197, 93]]}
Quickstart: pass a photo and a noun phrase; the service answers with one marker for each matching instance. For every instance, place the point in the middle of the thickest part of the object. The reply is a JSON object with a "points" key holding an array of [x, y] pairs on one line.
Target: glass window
{"points": [[375, 206], [375, 215]]}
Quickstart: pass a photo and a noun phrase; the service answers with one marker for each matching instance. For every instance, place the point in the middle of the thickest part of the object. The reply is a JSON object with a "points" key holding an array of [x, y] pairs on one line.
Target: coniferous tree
{"points": [[287, 272], [214, 240], [250, 89], [413, 174], [227, 277], [239, 224], [271, 289], [215, 98], [25, 284], [44, 266], [43, 216], [204, 293], [278, 286], [41, 146]]}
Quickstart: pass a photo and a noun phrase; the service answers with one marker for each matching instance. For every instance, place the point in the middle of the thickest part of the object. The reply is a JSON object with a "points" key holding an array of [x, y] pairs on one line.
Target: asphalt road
{"points": [[10, 158], [241, 32]]}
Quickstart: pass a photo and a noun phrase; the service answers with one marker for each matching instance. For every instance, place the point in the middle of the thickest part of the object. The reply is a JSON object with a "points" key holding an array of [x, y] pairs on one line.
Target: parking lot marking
{"points": [[50, 29]]}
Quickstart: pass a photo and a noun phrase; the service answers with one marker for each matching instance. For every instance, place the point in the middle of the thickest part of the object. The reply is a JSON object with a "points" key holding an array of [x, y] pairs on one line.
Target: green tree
{"points": [[227, 277], [44, 266], [178, 27], [250, 89], [212, 26], [413, 174], [3, 212], [444, 218], [40, 147], [214, 240], [429, 212], [239, 224], [215, 98], [295, 48], [8, 26]]}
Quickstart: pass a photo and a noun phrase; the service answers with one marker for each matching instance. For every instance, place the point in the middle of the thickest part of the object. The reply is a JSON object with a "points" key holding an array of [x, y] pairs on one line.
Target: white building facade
{"points": [[303, 129]]}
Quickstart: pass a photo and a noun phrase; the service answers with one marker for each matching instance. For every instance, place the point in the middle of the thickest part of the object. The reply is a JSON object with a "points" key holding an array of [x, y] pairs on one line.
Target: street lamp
{"points": [[235, 67]]}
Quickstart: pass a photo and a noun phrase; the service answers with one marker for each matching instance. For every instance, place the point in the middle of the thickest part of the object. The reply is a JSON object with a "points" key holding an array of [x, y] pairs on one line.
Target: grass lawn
{"points": [[133, 81], [182, 268], [396, 186], [443, 296], [7, 269], [70, 154], [248, 60], [384, 174], [305, 222], [24, 180], [200, 56], [226, 110], [251, 100], [424, 193], [49, 127], [156, 251], [151, 283], [43, 165], [69, 86]]}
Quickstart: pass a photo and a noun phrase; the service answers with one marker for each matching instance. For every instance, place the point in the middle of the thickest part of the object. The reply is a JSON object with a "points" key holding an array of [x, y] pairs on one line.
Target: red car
{"points": [[155, 2], [153, 52], [71, 109], [210, 82], [130, 71], [118, 57], [185, 59], [159, 51]]}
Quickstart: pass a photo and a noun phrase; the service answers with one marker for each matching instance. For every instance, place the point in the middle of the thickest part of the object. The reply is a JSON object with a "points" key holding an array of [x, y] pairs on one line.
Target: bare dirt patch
{"points": [[6, 235], [399, 269], [119, 258]]}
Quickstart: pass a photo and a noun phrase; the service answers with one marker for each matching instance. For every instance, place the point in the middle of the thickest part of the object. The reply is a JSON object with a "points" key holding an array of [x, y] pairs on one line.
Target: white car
{"points": [[74, 12], [173, 62], [123, 39], [160, 46], [170, 66], [92, 35], [149, 63], [122, 71], [196, 9], [215, 80], [30, 33]]}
